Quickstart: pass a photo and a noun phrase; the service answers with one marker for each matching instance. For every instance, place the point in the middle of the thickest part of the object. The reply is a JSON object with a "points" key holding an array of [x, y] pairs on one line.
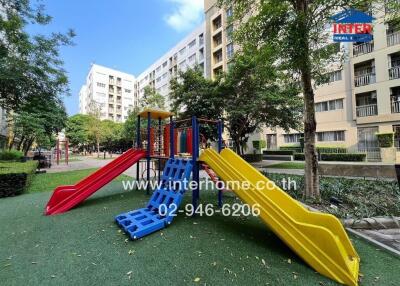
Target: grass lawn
{"points": [[49, 181], [85, 247], [287, 165]]}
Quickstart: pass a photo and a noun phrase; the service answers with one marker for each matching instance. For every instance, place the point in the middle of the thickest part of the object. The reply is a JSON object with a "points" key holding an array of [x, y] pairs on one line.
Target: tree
{"points": [[296, 31], [30, 66], [193, 95], [38, 122], [255, 95], [77, 130], [152, 99], [130, 126]]}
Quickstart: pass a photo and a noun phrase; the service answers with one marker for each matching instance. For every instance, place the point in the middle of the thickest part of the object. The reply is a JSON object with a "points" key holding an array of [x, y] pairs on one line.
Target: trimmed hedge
{"points": [[299, 156], [259, 144], [385, 140], [15, 177], [322, 149], [12, 155], [295, 149], [278, 152], [252, 157], [347, 157]]}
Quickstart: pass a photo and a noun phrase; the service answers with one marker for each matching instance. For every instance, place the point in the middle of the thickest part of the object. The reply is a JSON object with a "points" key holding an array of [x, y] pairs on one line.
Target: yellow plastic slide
{"points": [[318, 238]]}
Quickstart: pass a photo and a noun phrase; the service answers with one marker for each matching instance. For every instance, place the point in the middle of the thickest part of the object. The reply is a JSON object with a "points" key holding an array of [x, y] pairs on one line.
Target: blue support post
{"points": [[195, 156], [159, 149], [148, 151], [219, 127], [171, 138], [138, 145]]}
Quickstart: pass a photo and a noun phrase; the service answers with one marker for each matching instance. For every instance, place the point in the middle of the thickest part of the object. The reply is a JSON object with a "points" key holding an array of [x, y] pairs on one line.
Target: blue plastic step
{"points": [[163, 204]]}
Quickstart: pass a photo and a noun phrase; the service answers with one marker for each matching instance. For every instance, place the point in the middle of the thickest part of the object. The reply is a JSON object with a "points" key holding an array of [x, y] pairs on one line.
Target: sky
{"points": [[127, 35]]}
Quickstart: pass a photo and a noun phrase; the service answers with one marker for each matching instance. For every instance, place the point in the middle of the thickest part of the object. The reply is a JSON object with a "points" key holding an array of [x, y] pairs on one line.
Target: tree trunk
{"points": [[98, 148], [311, 165], [20, 143]]}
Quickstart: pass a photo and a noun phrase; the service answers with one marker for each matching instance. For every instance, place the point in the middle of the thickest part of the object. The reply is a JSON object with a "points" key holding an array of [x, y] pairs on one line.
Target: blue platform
{"points": [[163, 204]]}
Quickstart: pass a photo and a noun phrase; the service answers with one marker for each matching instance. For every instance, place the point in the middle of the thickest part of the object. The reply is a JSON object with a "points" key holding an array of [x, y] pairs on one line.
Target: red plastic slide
{"points": [[66, 197]]}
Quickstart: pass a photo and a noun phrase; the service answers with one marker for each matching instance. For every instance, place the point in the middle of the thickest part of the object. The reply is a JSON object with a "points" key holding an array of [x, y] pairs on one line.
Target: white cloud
{"points": [[186, 14]]}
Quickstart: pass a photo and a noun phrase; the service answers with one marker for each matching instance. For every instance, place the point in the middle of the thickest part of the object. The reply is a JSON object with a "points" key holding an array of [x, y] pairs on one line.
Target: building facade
{"points": [[3, 128], [107, 93], [186, 54]]}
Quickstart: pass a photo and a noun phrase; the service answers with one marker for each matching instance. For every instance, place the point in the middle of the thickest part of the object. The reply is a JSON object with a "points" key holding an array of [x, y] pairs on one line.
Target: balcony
{"points": [[394, 72], [395, 106], [367, 110], [110, 110], [364, 79], [393, 38], [111, 90], [362, 49]]}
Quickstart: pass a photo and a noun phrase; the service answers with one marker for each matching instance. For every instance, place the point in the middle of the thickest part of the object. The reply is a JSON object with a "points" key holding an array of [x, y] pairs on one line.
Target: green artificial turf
{"points": [[287, 165], [85, 247], [49, 181]]}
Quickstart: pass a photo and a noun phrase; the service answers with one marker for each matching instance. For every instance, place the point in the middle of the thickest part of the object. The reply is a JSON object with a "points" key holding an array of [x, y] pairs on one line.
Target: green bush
{"points": [[296, 149], [12, 155], [15, 177], [385, 139], [361, 198], [278, 152], [349, 157], [299, 156], [322, 149], [259, 144], [252, 157]]}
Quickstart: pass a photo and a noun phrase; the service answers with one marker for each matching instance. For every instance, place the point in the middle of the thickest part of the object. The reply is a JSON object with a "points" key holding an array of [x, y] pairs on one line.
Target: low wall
{"points": [[358, 170]]}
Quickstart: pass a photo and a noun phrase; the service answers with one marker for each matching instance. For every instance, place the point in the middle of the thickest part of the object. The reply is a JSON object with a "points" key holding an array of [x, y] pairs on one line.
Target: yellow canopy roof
{"points": [[155, 113]]}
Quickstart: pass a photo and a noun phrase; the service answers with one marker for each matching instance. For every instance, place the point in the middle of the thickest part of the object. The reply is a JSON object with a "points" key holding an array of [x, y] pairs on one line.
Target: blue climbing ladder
{"points": [[163, 204]]}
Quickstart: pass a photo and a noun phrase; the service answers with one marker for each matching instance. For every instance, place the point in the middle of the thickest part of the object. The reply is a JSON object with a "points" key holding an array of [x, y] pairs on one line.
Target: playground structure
{"points": [[318, 238], [58, 150]]}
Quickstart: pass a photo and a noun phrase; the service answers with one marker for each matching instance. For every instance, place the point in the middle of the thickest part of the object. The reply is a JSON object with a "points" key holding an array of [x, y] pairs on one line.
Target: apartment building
{"points": [[186, 54], [360, 99], [108, 93], [219, 45]]}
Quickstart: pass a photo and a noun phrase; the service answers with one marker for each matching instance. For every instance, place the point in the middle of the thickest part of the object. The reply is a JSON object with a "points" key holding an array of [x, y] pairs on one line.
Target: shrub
{"points": [[385, 139], [299, 156], [12, 155], [15, 177], [259, 144], [252, 157], [278, 152], [350, 157], [296, 149], [360, 197], [323, 149]]}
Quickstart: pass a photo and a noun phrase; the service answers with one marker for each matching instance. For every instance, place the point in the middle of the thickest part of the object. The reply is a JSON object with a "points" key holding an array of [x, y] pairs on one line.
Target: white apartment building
{"points": [[108, 93], [186, 54]]}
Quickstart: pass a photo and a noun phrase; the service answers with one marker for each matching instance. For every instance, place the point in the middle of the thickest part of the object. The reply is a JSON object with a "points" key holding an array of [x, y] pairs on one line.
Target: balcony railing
{"points": [[362, 49], [111, 110], [394, 72], [111, 90], [119, 101], [393, 38], [367, 110], [364, 79], [395, 106]]}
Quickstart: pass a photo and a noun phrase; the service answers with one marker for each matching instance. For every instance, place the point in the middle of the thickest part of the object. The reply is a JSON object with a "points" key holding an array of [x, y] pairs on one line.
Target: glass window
{"points": [[229, 51]]}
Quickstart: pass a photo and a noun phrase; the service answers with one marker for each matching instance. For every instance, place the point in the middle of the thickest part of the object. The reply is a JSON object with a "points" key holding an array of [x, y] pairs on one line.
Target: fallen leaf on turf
{"points": [[53, 276], [129, 273], [34, 262], [9, 264], [263, 261], [197, 279], [289, 261], [130, 252], [214, 263]]}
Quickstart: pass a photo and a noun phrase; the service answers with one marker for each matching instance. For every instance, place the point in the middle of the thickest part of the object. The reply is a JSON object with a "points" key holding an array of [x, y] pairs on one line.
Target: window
{"points": [[192, 44], [164, 64], [192, 58], [182, 51], [127, 90], [229, 32], [229, 51], [164, 76], [229, 12], [158, 79], [292, 138], [330, 136], [329, 105], [332, 77], [100, 84], [158, 69]]}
